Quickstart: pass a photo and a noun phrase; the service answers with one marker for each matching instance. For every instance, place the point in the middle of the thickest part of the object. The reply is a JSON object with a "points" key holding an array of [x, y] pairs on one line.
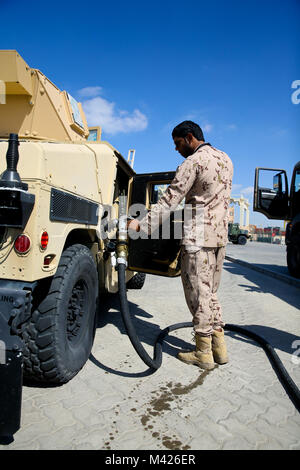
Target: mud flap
{"points": [[15, 307], [10, 391]]}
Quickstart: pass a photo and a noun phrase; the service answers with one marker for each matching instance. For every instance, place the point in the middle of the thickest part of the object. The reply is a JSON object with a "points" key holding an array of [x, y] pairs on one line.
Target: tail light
{"points": [[44, 240], [22, 244]]}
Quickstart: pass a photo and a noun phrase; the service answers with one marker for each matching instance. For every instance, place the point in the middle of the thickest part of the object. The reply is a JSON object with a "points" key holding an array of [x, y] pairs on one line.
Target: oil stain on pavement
{"points": [[170, 393], [159, 404]]}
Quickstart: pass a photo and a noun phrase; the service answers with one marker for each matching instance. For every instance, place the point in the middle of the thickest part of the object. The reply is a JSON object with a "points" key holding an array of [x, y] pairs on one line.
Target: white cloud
{"points": [[189, 117], [236, 187], [90, 91], [238, 190], [104, 113], [247, 191], [231, 127], [207, 128]]}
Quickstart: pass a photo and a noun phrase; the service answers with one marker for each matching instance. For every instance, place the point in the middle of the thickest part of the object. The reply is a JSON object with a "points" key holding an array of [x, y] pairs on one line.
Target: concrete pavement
{"points": [[269, 259]]}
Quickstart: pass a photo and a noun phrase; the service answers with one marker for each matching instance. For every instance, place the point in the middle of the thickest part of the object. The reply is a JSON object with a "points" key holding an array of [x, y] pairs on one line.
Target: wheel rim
{"points": [[76, 308]]}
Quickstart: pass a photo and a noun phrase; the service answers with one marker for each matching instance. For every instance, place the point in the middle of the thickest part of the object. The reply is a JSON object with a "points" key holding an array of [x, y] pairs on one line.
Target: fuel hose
{"points": [[154, 363]]}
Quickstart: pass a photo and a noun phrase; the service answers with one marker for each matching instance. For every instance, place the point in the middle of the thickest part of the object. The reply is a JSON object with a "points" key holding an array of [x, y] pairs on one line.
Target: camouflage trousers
{"points": [[201, 274]]}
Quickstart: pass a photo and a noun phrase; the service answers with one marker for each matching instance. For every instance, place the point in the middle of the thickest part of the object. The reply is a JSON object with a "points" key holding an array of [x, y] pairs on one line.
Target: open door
{"points": [[159, 252], [271, 193]]}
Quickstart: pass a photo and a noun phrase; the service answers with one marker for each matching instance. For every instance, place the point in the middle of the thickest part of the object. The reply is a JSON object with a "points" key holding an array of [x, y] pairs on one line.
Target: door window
{"points": [[156, 192]]}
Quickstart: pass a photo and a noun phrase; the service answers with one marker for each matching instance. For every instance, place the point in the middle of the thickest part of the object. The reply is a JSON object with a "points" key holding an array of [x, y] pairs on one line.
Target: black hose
{"points": [[154, 363], [289, 385]]}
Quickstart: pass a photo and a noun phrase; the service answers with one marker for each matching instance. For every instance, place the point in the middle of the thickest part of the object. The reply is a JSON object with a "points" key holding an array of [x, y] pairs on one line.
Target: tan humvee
{"points": [[56, 251]]}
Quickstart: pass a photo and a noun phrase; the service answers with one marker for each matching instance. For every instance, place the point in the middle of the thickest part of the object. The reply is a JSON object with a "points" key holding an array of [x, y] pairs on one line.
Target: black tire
{"points": [[293, 259], [242, 240], [60, 334], [137, 281]]}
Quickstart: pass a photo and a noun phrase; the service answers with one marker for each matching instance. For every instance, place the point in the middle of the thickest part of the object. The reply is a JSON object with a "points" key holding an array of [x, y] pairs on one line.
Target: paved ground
{"points": [[114, 403], [264, 257], [271, 256]]}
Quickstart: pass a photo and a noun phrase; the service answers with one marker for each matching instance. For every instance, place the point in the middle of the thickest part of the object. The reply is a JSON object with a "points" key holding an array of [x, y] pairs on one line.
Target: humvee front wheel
{"points": [[137, 281], [59, 336]]}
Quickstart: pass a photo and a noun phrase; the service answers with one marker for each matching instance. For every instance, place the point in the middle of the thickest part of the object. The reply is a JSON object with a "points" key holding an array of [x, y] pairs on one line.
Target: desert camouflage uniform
{"points": [[205, 180]]}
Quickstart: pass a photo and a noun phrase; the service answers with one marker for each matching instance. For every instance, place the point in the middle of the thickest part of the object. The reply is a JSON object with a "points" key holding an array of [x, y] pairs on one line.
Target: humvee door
{"points": [[271, 197], [159, 252]]}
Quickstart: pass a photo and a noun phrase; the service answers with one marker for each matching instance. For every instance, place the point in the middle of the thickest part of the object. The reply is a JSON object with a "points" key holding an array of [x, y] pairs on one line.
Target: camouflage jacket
{"points": [[204, 179]]}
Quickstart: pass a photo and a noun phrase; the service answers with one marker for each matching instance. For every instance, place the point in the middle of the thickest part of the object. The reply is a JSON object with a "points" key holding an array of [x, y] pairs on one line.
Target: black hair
{"points": [[182, 130]]}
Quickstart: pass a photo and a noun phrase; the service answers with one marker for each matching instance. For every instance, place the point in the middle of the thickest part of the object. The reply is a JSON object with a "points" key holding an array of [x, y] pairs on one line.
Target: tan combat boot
{"points": [[219, 347], [202, 356]]}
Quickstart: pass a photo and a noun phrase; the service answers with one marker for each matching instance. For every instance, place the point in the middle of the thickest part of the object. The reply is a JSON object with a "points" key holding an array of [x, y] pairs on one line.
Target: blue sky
{"points": [[141, 68]]}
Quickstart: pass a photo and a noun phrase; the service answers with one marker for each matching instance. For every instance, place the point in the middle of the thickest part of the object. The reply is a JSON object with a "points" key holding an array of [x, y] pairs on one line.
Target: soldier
{"points": [[204, 179]]}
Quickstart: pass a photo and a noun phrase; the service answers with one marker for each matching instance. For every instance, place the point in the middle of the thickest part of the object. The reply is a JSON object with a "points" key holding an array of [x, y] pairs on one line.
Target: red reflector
{"points": [[47, 260], [44, 240], [22, 244]]}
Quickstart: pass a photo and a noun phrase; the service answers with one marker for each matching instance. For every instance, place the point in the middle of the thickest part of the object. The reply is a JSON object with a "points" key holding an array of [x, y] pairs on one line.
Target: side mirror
{"points": [[277, 183]]}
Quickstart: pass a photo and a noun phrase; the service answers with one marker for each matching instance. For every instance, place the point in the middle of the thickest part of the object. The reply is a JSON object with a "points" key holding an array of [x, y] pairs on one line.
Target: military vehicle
{"points": [[277, 203], [236, 235], [60, 191]]}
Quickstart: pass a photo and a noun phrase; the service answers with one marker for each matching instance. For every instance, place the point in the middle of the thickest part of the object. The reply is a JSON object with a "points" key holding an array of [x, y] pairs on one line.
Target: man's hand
{"points": [[133, 225]]}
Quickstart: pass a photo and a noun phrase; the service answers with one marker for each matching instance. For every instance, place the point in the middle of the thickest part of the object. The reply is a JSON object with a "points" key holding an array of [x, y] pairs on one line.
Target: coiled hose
{"points": [[155, 362]]}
